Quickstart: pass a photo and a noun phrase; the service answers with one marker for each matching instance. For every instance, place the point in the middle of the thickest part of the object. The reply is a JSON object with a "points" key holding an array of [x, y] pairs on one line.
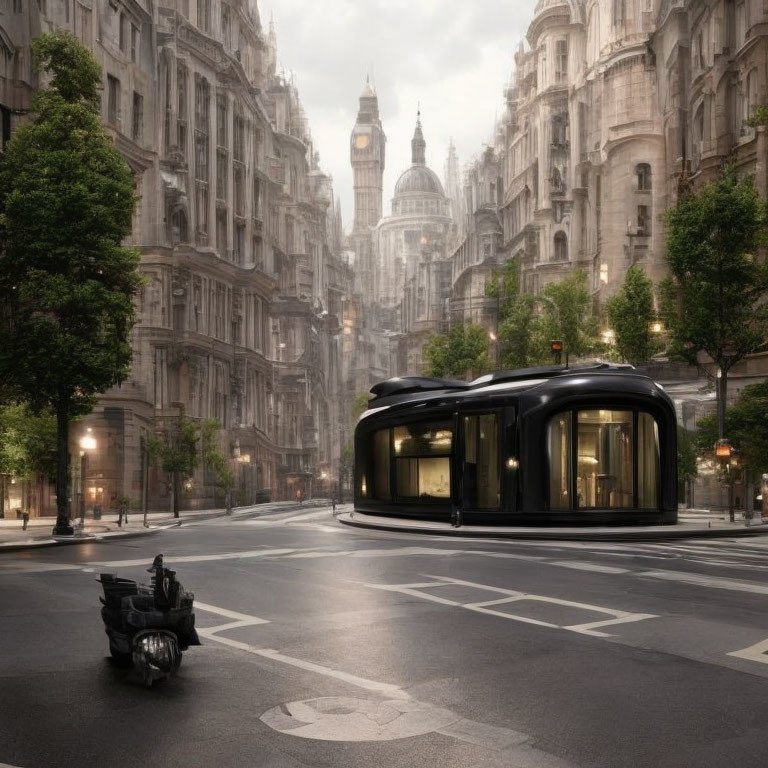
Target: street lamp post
{"points": [[87, 443], [725, 453]]}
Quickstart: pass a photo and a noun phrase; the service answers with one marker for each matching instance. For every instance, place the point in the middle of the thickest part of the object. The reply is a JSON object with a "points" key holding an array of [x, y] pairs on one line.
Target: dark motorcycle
{"points": [[148, 626]]}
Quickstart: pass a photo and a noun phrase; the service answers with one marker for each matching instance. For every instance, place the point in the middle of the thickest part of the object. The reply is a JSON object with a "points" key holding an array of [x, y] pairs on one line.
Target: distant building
{"points": [[241, 316], [411, 247]]}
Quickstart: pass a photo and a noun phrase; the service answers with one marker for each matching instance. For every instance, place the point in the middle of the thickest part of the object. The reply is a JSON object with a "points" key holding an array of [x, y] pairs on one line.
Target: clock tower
{"points": [[367, 151]]}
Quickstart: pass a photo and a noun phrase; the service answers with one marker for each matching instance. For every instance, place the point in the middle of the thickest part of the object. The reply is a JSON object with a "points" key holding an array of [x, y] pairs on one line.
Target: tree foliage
{"points": [[177, 448], [66, 283], [746, 424], [568, 315], [631, 315], [687, 468], [709, 300], [214, 458], [462, 353], [27, 442], [521, 343]]}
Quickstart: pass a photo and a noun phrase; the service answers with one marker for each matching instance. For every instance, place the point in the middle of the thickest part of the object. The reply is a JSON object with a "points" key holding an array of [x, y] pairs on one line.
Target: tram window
{"points": [[419, 473], [560, 462], [481, 462], [427, 439], [647, 461], [604, 470], [607, 450]]}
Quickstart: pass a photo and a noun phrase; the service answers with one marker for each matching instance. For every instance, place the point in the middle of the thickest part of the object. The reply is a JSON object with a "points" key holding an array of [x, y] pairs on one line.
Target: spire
{"points": [[418, 145], [368, 92]]}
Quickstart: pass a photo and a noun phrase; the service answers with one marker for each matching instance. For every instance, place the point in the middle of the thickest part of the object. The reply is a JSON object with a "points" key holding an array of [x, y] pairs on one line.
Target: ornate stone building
{"points": [[480, 248], [411, 247], [240, 317], [583, 145]]}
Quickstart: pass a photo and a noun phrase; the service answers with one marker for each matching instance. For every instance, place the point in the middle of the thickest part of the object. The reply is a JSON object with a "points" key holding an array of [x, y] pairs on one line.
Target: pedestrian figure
{"points": [[25, 520], [333, 504]]}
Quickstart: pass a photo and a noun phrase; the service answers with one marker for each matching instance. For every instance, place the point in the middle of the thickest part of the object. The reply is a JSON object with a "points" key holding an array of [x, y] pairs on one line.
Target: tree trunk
{"points": [[144, 479], [175, 493], [722, 394], [62, 527]]}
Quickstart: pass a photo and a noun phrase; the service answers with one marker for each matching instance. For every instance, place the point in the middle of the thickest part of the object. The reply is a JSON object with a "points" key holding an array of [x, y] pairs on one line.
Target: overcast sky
{"points": [[453, 56]]}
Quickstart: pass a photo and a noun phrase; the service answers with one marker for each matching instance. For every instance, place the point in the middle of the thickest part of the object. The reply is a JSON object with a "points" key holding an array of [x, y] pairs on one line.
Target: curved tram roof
{"points": [[588, 379]]}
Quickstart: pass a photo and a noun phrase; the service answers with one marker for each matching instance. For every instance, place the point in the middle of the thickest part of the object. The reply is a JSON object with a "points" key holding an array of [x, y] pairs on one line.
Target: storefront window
{"points": [[604, 473], [606, 453], [647, 462], [560, 462]]}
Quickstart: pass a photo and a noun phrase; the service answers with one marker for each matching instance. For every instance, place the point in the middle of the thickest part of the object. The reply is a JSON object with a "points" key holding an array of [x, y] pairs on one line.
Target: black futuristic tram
{"points": [[596, 444]]}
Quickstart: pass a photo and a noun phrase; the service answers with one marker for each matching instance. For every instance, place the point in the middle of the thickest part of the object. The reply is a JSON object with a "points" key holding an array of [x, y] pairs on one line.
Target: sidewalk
{"points": [[39, 530], [689, 526]]}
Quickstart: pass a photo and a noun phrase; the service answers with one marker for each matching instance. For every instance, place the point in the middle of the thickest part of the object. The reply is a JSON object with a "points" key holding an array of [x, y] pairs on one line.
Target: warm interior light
{"points": [[512, 463]]}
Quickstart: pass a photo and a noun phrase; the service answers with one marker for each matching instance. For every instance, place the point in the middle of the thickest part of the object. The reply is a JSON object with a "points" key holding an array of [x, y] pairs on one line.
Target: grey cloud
{"points": [[417, 49]]}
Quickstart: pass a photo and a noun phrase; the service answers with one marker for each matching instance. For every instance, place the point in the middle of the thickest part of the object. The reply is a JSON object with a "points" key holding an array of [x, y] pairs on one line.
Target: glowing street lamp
{"points": [[87, 443], [723, 450]]}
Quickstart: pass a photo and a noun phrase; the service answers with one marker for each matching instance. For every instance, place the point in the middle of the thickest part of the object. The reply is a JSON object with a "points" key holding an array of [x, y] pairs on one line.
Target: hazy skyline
{"points": [[454, 58]]}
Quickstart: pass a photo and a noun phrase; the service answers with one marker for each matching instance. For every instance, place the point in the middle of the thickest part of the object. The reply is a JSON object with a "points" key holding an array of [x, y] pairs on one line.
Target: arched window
{"points": [[179, 232], [643, 171], [561, 247]]}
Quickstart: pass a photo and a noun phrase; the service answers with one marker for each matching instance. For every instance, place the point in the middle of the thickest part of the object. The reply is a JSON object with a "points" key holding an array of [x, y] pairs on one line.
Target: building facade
{"points": [[240, 318], [411, 248]]}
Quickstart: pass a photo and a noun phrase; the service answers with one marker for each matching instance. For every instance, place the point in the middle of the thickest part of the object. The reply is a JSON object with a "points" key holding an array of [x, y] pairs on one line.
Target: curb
{"points": [[107, 536], [552, 534]]}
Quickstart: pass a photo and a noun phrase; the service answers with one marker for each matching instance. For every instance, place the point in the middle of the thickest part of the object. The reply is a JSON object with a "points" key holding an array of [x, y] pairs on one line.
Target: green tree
{"points": [[462, 353], [177, 449], [66, 283], [631, 315], [519, 336], [347, 457], [217, 460], [711, 300], [568, 315], [746, 423], [687, 468], [27, 443]]}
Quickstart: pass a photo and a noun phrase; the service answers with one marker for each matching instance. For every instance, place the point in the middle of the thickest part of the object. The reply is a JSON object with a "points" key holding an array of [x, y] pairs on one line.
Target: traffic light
{"points": [[556, 348]]}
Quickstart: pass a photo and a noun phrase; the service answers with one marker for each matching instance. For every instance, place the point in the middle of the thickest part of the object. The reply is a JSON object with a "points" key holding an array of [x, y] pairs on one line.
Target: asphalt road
{"points": [[331, 646]]}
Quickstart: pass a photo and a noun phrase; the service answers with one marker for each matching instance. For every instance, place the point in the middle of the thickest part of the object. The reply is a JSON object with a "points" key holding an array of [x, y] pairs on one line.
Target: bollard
{"points": [[25, 520]]}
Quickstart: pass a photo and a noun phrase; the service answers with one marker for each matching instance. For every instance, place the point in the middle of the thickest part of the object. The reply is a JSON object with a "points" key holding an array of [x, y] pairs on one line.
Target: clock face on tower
{"points": [[361, 141]]}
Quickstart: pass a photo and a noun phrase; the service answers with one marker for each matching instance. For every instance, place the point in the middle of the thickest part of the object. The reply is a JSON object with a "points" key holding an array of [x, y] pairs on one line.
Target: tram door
{"points": [[480, 486]]}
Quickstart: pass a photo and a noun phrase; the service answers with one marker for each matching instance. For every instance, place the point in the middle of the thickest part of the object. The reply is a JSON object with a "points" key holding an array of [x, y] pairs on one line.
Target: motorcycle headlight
{"points": [[159, 650]]}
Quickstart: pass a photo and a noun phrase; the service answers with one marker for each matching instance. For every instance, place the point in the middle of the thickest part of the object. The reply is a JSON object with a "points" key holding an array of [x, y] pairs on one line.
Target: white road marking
{"points": [[196, 558], [239, 617], [596, 567], [757, 652], [18, 566], [510, 596], [385, 689], [342, 718], [713, 582]]}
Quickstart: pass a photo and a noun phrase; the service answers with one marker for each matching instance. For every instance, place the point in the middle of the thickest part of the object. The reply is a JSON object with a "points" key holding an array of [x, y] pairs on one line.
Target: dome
{"points": [[418, 178]]}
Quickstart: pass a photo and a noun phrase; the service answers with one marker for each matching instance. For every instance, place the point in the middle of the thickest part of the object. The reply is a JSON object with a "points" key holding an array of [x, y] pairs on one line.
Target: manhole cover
{"points": [[340, 718]]}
